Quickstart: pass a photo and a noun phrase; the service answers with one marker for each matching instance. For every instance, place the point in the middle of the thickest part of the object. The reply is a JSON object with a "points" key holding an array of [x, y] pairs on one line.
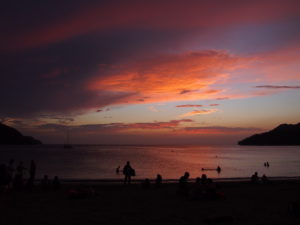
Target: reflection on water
{"points": [[96, 162]]}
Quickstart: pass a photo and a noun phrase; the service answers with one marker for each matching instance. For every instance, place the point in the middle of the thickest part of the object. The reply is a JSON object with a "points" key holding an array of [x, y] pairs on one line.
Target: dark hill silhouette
{"points": [[284, 134], [10, 136]]}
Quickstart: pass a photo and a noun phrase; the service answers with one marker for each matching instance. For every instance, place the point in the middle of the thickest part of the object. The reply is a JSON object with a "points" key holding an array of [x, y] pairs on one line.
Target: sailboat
{"points": [[68, 145]]}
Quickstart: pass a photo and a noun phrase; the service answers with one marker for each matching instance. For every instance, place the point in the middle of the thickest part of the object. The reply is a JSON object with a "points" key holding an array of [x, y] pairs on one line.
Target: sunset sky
{"points": [[149, 72]]}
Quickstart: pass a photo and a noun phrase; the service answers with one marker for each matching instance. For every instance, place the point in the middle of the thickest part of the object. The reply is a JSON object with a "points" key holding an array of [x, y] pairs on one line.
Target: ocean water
{"points": [[100, 162]]}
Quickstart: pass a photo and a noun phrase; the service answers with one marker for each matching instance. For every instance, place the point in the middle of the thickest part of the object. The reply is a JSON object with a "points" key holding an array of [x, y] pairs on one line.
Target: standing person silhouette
{"points": [[18, 179], [128, 172], [32, 171]]}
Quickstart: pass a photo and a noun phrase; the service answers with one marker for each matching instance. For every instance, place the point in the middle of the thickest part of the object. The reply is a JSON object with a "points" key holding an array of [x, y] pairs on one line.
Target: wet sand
{"points": [[244, 203]]}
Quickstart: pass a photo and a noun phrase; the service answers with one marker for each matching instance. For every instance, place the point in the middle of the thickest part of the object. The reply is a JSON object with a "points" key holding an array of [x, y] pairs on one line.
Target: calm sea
{"points": [[100, 162]]}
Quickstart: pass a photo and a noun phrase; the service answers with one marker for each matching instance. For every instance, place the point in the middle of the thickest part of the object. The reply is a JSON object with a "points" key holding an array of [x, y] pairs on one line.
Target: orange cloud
{"points": [[188, 105], [199, 112], [222, 98], [186, 76]]}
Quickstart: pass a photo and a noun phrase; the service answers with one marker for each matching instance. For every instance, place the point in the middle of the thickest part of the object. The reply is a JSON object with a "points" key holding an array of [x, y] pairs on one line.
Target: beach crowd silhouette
{"points": [[12, 177], [19, 177]]}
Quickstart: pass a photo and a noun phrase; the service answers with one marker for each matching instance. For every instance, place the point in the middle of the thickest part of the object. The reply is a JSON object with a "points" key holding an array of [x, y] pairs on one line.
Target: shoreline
{"points": [[169, 181]]}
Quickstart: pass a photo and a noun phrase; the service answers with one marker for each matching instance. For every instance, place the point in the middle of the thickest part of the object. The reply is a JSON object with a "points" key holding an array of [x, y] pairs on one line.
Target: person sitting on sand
{"points": [[254, 178], [203, 179], [56, 183], [264, 179], [211, 190], [158, 180], [183, 184], [146, 184], [196, 192], [45, 182], [128, 171], [184, 178]]}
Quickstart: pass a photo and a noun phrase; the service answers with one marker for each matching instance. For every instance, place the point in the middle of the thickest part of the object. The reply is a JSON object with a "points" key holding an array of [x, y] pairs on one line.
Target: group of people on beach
{"points": [[202, 188], [12, 176], [19, 177], [255, 178]]}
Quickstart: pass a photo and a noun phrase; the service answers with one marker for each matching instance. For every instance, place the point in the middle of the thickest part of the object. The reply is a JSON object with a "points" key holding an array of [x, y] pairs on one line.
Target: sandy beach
{"points": [[107, 203]]}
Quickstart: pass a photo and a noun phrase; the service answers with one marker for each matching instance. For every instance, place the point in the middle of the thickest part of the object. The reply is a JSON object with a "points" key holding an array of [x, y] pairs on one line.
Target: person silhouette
{"points": [[158, 180], [18, 179], [219, 169], [146, 183], [45, 182], [203, 179], [254, 178], [56, 183], [118, 170], [32, 170], [264, 179], [183, 184], [128, 171]]}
